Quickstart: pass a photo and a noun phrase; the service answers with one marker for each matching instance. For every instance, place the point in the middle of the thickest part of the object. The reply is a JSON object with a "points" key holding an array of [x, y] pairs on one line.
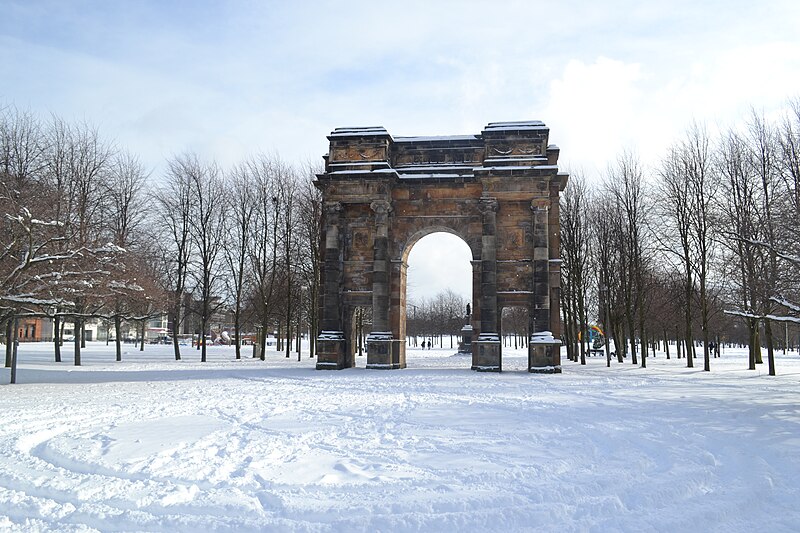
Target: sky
{"points": [[235, 78]]}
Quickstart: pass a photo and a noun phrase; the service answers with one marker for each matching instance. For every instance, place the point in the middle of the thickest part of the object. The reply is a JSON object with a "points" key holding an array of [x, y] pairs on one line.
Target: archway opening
{"points": [[514, 336], [359, 327], [439, 289]]}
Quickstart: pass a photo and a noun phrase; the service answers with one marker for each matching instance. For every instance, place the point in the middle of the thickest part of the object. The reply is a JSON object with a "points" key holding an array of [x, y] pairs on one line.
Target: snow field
{"points": [[153, 444]]}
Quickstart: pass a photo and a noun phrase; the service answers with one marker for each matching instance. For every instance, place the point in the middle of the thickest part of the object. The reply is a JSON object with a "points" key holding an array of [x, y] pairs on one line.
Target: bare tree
{"points": [[125, 213], [310, 258], [266, 172], [80, 160], [206, 224], [703, 185], [687, 188], [740, 233], [172, 240], [574, 272], [241, 212], [288, 212], [674, 232], [608, 256], [625, 184]]}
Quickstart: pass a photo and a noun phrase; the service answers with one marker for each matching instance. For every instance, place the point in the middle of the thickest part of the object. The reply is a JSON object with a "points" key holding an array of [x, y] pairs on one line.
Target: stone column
{"points": [[489, 266], [380, 344], [540, 297], [380, 268], [487, 354], [543, 351], [331, 341]]}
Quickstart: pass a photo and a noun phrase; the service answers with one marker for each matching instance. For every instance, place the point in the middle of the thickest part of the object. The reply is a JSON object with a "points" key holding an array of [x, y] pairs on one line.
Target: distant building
{"points": [[35, 329]]}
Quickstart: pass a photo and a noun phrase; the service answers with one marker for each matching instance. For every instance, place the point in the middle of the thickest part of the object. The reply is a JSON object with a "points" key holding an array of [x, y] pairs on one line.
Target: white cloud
{"points": [[437, 262], [592, 107]]}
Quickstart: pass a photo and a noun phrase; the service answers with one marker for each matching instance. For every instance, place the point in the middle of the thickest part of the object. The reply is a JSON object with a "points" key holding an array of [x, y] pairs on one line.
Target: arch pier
{"points": [[497, 190]]}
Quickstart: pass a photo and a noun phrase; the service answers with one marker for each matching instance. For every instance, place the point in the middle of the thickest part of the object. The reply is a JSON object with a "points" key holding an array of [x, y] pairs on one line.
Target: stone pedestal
{"points": [[465, 346], [486, 357], [384, 353], [544, 354], [331, 351]]}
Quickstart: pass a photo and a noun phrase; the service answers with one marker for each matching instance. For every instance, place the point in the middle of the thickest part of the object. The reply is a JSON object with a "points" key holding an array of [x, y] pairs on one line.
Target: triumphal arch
{"points": [[497, 190]]}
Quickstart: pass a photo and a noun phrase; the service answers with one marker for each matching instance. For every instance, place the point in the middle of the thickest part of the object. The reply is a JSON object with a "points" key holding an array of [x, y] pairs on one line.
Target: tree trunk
{"points": [[666, 343], [9, 341], [619, 342], [14, 342], [297, 334], [202, 340], [770, 347], [584, 337], [632, 330], [118, 335], [82, 335], [312, 335], [77, 341], [144, 328], [689, 340], [288, 346], [644, 341], [643, 335], [759, 359], [568, 331], [752, 325], [263, 340], [175, 346], [176, 328], [57, 337], [236, 339]]}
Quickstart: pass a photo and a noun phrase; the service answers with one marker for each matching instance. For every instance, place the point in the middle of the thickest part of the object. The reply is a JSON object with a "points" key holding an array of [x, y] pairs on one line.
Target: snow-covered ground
{"points": [[151, 444]]}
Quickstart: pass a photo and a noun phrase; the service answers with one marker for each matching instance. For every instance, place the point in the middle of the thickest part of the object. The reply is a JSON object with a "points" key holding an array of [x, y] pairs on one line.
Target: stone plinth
{"points": [[331, 350], [544, 354], [383, 352], [465, 346], [486, 357]]}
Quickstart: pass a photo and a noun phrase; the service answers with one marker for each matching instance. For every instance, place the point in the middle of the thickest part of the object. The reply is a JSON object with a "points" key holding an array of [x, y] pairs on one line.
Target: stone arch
{"points": [[498, 191], [424, 231], [407, 247]]}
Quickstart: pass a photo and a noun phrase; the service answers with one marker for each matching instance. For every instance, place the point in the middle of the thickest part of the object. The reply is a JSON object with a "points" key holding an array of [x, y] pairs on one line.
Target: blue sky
{"points": [[228, 79], [232, 78]]}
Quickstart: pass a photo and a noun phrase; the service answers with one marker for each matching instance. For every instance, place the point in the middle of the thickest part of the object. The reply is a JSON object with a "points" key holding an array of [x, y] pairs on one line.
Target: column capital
{"points": [[381, 207], [332, 208], [540, 204], [487, 205]]}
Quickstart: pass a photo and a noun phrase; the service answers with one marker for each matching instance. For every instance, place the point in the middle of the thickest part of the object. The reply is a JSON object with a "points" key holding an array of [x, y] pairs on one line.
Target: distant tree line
{"points": [[701, 248], [435, 318], [87, 232]]}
